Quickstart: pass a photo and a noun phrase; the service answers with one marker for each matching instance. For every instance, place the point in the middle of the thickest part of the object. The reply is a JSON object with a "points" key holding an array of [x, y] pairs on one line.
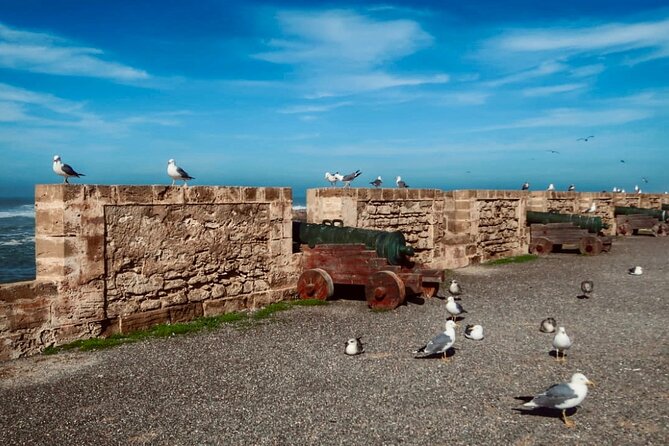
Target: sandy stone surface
{"points": [[287, 381]]}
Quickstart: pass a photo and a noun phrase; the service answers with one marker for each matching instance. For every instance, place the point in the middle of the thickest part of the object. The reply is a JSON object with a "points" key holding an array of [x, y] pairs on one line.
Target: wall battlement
{"points": [[115, 259]]}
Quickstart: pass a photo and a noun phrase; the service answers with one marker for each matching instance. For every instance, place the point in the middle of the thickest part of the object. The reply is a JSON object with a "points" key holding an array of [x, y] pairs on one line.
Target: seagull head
{"points": [[561, 330], [580, 378], [450, 324], [399, 178], [56, 158], [171, 161]]}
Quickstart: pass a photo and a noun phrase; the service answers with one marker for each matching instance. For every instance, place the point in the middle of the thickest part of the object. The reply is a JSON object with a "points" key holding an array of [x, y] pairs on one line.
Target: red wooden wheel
{"points": [[660, 230], [541, 246], [384, 291], [430, 288], [624, 229], [590, 246], [315, 284]]}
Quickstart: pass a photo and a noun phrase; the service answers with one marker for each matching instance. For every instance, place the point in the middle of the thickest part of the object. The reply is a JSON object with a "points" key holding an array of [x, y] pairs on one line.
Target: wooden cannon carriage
{"points": [[630, 220], [378, 260], [549, 230]]}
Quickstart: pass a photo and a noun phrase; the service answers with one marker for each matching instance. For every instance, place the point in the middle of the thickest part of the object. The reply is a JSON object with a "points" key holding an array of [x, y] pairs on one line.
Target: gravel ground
{"points": [[287, 381]]}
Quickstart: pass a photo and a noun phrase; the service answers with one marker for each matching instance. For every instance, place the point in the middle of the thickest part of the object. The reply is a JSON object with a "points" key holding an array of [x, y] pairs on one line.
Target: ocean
{"points": [[17, 239]]}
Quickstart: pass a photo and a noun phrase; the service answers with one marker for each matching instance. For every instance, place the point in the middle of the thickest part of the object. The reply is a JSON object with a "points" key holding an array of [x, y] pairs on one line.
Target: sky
{"points": [[447, 94]]}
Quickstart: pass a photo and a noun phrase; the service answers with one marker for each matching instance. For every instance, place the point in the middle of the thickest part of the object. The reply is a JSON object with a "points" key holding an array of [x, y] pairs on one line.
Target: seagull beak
{"points": [[590, 383]]}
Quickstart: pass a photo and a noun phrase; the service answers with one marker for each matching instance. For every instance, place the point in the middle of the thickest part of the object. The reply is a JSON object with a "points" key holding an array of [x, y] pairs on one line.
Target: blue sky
{"points": [[447, 94]]}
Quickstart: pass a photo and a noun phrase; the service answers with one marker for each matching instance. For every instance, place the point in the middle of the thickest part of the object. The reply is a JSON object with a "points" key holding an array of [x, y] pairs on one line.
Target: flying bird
{"points": [[454, 308], [177, 173], [622, 161], [377, 183], [525, 186], [552, 151], [586, 139], [644, 179], [587, 286], [561, 343], [332, 178], [454, 288], [440, 344], [548, 325], [563, 396], [354, 347], [346, 179], [64, 170], [401, 184], [474, 332]]}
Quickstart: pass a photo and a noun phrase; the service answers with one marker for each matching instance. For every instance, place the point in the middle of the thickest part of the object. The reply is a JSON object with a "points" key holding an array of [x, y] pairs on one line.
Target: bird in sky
{"points": [[400, 183], [586, 139], [354, 347], [561, 343], [346, 179], [644, 179], [377, 183], [552, 151], [563, 396], [440, 343], [177, 173], [622, 161], [331, 178], [64, 170]]}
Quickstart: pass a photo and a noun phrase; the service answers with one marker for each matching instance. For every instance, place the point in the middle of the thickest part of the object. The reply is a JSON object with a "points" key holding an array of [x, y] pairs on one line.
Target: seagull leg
{"points": [[65, 180], [567, 421], [445, 358], [173, 181]]}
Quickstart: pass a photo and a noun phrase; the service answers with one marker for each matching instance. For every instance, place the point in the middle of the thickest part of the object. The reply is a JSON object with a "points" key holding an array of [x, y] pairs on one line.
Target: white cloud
{"points": [[552, 89], [568, 117], [313, 108], [43, 53], [544, 69], [587, 70]]}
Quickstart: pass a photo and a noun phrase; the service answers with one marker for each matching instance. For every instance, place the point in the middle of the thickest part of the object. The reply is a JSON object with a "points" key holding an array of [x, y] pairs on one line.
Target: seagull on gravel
{"points": [[548, 325], [563, 396], [64, 170], [454, 288], [454, 308], [440, 343], [177, 173], [401, 184], [587, 286], [474, 332], [377, 183], [346, 179], [354, 347], [332, 178], [636, 271], [561, 343]]}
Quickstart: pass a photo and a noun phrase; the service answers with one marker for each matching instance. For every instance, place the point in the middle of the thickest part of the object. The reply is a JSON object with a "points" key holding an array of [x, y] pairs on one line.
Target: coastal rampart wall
{"points": [[116, 259]]}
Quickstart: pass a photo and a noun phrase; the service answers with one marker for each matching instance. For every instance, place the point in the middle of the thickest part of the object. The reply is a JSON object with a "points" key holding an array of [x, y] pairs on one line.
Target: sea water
{"points": [[17, 239]]}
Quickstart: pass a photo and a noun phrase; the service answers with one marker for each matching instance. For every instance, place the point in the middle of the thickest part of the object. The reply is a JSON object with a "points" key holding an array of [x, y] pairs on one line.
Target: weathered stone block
{"points": [[141, 321]]}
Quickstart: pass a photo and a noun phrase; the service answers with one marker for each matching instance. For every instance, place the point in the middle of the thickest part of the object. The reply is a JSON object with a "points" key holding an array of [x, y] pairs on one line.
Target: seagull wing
{"points": [[183, 174], [70, 171], [437, 344], [555, 395]]}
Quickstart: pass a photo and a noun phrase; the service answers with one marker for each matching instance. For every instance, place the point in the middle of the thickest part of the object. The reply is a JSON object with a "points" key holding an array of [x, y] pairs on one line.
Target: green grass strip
{"points": [[517, 259], [194, 326]]}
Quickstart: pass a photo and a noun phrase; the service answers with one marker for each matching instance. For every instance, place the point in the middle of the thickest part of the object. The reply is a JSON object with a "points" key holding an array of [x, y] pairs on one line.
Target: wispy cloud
{"points": [[313, 108], [552, 89], [44, 53], [544, 69], [341, 52], [569, 117]]}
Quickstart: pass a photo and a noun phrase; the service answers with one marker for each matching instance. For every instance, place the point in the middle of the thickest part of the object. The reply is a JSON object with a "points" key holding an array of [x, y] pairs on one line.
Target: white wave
{"points": [[18, 241], [26, 210], [299, 207]]}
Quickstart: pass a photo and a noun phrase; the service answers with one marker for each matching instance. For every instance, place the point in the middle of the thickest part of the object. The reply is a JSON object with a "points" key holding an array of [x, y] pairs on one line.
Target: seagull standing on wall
{"points": [[525, 186], [571, 188], [177, 173], [332, 178], [401, 184], [64, 170], [346, 179], [551, 187], [377, 183]]}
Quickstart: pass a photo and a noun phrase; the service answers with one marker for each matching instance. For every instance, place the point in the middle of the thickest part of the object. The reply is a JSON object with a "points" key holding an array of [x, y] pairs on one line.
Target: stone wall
{"points": [[120, 258]]}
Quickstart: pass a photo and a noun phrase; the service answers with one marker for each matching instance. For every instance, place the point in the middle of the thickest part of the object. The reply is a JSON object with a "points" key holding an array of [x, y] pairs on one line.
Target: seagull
{"points": [[636, 271], [563, 396], [636, 188], [332, 178], [401, 184], [64, 170], [525, 186], [561, 342], [338, 176], [474, 332], [644, 179], [552, 151], [548, 325], [571, 188], [346, 179], [586, 139], [454, 308], [354, 347], [550, 187], [454, 288], [440, 343], [177, 173], [591, 209], [622, 161], [587, 286], [377, 183], [615, 189]]}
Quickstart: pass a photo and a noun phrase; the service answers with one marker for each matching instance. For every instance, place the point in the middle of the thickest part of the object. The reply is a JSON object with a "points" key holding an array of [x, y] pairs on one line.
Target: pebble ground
{"points": [[287, 380]]}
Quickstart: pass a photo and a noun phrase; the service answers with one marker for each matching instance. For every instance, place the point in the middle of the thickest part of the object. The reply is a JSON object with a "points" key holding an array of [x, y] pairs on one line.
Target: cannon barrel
{"points": [[591, 223], [665, 207], [661, 215], [390, 245]]}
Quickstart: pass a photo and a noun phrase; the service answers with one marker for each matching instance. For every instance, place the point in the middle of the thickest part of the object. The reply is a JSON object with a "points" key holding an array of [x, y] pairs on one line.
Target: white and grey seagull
{"points": [[177, 173], [440, 343], [377, 183], [354, 347], [561, 343], [454, 288], [64, 170], [548, 325], [400, 183], [346, 179], [474, 332], [563, 396], [454, 308], [332, 178]]}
